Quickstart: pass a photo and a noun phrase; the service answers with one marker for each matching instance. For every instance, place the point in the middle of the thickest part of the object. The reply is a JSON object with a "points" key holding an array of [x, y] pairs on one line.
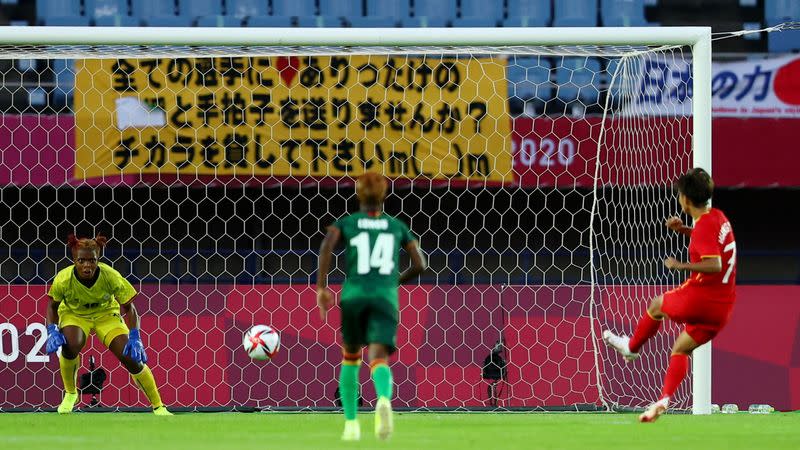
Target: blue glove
{"points": [[55, 338], [134, 348]]}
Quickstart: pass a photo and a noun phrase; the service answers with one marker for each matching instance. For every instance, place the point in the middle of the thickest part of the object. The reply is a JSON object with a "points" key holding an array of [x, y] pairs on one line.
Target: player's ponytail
{"points": [[101, 241], [97, 244], [72, 242]]}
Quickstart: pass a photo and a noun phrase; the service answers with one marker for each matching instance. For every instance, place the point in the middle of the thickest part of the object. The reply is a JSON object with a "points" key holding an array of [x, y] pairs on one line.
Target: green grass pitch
{"points": [[415, 431]]}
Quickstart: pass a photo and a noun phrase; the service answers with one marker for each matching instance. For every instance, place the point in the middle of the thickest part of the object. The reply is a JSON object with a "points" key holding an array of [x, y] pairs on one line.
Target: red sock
{"points": [[645, 329], [676, 372]]}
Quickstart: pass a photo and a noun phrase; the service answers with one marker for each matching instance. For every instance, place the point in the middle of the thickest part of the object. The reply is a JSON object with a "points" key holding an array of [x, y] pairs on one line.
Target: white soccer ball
{"points": [[261, 342]]}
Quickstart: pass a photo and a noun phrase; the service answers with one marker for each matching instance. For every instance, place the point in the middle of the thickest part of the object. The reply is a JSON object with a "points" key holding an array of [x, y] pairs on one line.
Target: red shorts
{"points": [[704, 317]]}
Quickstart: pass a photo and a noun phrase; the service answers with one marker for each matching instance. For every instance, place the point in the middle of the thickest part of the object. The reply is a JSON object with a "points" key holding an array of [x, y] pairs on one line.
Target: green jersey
{"points": [[372, 253]]}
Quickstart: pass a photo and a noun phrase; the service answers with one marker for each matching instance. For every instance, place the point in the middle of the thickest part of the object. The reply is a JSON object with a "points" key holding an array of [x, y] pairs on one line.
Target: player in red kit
{"points": [[703, 302]]}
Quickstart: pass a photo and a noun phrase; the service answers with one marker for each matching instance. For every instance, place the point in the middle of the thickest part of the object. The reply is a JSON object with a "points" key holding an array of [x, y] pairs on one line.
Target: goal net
{"points": [[537, 179]]}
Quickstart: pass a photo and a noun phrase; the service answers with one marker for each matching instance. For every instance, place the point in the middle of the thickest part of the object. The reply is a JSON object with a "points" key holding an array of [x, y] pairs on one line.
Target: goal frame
{"points": [[699, 38]]}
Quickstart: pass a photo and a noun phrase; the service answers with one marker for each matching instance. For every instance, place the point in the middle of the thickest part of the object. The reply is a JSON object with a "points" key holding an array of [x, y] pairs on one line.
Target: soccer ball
{"points": [[261, 342]]}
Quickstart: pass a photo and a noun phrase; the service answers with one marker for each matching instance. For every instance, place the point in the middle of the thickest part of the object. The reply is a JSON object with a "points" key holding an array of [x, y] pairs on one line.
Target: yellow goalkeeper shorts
{"points": [[106, 325]]}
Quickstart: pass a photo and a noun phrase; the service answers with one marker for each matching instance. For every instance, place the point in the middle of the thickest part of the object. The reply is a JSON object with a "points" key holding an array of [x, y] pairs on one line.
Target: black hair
{"points": [[696, 185]]}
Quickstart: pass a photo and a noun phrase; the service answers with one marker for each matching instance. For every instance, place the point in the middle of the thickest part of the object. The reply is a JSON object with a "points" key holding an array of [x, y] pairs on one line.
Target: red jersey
{"points": [[712, 237]]}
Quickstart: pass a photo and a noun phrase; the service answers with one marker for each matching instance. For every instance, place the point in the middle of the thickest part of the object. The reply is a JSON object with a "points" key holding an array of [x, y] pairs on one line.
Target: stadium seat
{"points": [[207, 13], [779, 11], [158, 13], [432, 13], [575, 13], [109, 13], [528, 13], [269, 21], [623, 13], [319, 22], [299, 12], [243, 9], [199, 8], [341, 9], [293, 8], [60, 13], [529, 78], [373, 22], [578, 79], [782, 9], [479, 13], [382, 13]]}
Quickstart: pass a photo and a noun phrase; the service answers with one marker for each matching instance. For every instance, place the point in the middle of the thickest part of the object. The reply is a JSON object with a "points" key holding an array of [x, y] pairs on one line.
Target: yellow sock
{"points": [[147, 384], [69, 372]]}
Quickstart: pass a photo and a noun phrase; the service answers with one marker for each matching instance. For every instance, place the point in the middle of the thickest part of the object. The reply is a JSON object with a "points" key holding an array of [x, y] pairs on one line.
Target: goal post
{"points": [[493, 276], [701, 157]]}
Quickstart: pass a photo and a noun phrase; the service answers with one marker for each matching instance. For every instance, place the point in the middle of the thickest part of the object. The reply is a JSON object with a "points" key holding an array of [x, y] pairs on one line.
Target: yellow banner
{"points": [[320, 116]]}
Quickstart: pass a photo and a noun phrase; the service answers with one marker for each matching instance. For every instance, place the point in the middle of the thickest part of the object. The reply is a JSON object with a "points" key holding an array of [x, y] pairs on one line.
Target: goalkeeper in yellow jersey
{"points": [[87, 296]]}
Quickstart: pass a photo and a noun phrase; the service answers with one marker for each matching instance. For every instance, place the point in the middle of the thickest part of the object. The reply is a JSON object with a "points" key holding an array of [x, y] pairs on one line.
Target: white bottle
{"points": [[760, 409], [730, 408]]}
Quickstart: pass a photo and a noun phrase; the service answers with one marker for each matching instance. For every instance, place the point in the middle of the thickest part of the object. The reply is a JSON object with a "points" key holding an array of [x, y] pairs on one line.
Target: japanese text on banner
{"points": [[320, 116]]}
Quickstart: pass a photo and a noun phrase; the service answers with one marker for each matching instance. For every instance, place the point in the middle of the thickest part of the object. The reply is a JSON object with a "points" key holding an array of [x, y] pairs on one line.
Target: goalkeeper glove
{"points": [[134, 348], [55, 338]]}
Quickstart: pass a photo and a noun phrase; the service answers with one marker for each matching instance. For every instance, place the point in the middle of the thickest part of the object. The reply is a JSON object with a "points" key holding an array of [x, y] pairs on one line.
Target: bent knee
{"points": [[655, 308], [70, 352]]}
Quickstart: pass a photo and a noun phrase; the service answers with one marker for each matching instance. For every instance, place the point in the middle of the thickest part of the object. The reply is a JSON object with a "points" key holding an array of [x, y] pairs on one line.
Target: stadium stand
{"points": [[206, 13], [432, 13], [243, 9], [778, 11], [158, 13], [382, 13], [529, 13], [61, 13], [339, 11], [575, 13], [623, 13], [304, 13], [477, 13], [109, 13]]}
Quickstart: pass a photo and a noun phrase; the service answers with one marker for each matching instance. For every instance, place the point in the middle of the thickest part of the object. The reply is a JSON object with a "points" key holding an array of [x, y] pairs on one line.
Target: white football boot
{"points": [[654, 411], [384, 422], [620, 344], [352, 431]]}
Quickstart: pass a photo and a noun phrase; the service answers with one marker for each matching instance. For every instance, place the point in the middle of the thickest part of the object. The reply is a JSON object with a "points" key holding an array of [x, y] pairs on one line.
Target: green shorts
{"points": [[369, 320]]}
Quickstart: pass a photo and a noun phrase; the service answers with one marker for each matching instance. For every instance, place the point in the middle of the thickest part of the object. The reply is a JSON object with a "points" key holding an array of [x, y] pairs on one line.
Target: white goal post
{"points": [[32, 41]]}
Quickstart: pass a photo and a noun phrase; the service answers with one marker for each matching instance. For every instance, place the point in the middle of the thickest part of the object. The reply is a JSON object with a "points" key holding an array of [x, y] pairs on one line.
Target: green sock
{"points": [[348, 388], [382, 377]]}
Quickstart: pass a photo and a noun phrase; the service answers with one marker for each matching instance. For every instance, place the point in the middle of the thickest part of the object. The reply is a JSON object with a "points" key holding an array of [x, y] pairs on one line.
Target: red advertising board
{"points": [[193, 338], [561, 152]]}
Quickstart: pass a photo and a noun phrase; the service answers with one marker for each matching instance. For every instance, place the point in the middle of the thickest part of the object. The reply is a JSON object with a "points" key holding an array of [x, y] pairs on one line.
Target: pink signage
{"points": [[193, 337]]}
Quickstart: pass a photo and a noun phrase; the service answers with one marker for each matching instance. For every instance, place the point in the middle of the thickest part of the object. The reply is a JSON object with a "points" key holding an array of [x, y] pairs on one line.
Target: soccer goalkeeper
{"points": [[369, 297], [90, 295]]}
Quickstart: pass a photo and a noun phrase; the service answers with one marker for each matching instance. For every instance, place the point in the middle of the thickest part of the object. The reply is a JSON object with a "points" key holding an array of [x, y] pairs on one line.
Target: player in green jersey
{"points": [[369, 296]]}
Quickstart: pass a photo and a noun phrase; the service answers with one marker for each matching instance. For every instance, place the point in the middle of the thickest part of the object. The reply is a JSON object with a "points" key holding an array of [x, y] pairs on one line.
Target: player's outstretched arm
{"points": [[324, 295], [675, 224], [707, 265], [418, 262]]}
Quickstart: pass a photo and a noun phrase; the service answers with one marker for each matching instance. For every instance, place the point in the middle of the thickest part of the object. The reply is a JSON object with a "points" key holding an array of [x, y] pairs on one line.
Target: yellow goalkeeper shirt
{"points": [[109, 291]]}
